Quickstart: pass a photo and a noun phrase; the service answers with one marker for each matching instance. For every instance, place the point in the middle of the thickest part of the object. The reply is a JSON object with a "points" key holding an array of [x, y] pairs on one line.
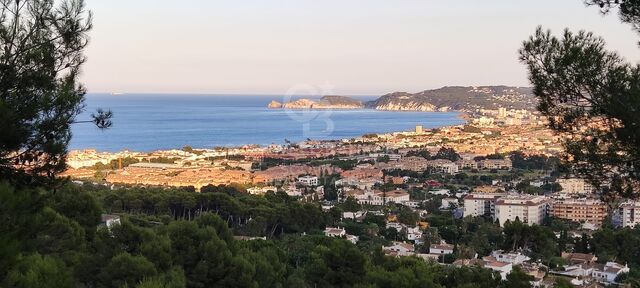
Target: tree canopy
{"points": [[593, 95], [41, 52]]}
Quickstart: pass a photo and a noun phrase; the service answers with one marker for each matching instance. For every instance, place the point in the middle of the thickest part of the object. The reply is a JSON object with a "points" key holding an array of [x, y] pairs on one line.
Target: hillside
{"points": [[458, 98]]}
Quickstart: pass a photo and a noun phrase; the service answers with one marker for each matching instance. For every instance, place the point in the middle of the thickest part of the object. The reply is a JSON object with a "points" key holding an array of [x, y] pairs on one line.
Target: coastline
{"points": [[461, 115]]}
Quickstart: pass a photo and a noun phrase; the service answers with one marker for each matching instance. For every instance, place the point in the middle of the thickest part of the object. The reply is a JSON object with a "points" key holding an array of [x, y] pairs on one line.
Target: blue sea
{"points": [[148, 122]]}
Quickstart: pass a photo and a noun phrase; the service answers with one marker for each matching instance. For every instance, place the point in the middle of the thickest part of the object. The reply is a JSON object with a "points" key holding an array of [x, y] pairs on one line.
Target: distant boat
{"points": [[116, 93]]}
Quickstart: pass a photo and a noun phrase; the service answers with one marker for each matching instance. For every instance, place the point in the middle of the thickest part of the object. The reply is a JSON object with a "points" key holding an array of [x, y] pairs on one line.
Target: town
{"points": [[492, 176]]}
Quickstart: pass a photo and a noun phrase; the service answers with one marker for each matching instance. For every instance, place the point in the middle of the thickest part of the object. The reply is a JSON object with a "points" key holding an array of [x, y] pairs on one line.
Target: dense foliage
{"points": [[593, 95], [58, 240], [41, 45]]}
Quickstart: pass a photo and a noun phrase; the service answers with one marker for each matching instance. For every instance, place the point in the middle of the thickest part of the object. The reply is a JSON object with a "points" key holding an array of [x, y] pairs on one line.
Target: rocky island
{"points": [[449, 98], [326, 102]]}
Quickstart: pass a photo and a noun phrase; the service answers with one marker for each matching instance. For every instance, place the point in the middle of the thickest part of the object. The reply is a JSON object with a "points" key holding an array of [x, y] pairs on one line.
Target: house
{"points": [[441, 192], [261, 190], [414, 234], [603, 273], [334, 232], [308, 180], [441, 249], [608, 272], [579, 258], [354, 215], [503, 268], [513, 258], [400, 248]]}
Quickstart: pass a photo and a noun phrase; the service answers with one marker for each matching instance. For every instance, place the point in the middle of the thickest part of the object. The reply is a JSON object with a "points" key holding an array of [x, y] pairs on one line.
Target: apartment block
{"points": [[529, 209], [575, 185], [629, 214], [580, 210], [481, 204]]}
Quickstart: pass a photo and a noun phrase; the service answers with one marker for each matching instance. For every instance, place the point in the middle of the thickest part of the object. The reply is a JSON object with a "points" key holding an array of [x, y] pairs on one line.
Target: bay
{"points": [[148, 122]]}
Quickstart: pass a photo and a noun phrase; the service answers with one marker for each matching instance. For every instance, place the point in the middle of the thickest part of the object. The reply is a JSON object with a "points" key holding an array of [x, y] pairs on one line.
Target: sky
{"points": [[346, 47]]}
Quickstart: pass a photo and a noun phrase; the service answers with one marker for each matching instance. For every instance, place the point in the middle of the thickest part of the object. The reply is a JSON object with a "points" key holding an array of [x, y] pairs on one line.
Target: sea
{"points": [[149, 122]]}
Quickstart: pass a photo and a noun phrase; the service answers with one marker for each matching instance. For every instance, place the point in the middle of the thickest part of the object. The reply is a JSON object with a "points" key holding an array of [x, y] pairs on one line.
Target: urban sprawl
{"points": [[499, 165]]}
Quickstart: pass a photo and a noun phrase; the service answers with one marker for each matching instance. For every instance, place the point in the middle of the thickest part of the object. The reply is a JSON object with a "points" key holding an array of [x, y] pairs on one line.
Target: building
{"points": [[628, 214], [340, 233], [529, 209], [502, 112], [441, 249], [448, 203], [396, 196], [591, 211], [481, 204], [513, 258], [467, 164], [603, 273], [334, 232], [419, 129], [443, 166], [499, 164], [579, 258], [575, 185], [308, 180], [401, 248], [261, 190]]}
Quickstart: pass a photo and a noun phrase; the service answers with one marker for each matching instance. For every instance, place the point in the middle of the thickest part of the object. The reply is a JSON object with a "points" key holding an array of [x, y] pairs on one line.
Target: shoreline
{"points": [[461, 115]]}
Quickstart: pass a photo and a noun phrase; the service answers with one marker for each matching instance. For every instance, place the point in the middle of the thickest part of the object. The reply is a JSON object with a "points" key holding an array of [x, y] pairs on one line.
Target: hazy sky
{"points": [[355, 46]]}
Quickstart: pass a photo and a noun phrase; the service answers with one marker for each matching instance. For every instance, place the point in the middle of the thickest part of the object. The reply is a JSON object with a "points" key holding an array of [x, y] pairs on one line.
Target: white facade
{"points": [[629, 213], [448, 203], [513, 258], [441, 249], [480, 204], [526, 208], [309, 180]]}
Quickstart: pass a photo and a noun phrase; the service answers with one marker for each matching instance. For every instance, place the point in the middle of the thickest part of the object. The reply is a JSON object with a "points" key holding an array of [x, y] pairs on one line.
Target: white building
{"points": [[603, 273], [414, 234], [308, 180], [261, 190], [441, 249], [396, 196], [340, 233], [503, 268], [513, 258], [575, 185], [481, 204], [629, 213], [443, 166], [448, 203], [334, 232], [529, 209]]}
